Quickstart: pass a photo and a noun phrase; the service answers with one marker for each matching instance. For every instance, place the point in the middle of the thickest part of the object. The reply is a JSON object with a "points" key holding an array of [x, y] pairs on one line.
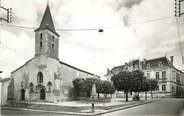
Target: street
{"points": [[27, 113], [165, 107]]}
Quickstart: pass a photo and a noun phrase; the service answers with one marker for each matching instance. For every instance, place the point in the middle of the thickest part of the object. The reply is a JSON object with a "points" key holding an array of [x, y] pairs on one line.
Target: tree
{"points": [[98, 83], [153, 85], [83, 87], [88, 83], [145, 87], [123, 81], [107, 88], [138, 80], [78, 88]]}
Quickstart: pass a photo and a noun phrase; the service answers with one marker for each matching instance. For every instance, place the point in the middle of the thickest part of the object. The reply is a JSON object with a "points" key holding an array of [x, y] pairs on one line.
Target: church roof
{"points": [[61, 62], [47, 22]]}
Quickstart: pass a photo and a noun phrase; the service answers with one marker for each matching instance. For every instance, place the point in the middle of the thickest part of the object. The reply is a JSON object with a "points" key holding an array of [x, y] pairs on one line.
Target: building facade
{"points": [[4, 83], [45, 77], [170, 79]]}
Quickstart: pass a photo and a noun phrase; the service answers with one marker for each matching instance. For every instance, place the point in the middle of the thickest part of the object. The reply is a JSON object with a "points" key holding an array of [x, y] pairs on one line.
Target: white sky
{"points": [[124, 36]]}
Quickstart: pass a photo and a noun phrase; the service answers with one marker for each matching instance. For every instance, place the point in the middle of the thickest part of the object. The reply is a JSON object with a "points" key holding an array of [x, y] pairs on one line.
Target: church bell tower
{"points": [[46, 37]]}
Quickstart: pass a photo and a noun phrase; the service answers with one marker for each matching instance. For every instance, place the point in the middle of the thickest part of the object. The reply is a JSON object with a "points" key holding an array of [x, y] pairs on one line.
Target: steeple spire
{"points": [[47, 22]]}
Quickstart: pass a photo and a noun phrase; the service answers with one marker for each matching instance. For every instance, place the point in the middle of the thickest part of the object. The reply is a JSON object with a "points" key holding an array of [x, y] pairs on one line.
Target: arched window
{"points": [[49, 84], [41, 39], [39, 77], [52, 43], [40, 45], [31, 87], [41, 36]]}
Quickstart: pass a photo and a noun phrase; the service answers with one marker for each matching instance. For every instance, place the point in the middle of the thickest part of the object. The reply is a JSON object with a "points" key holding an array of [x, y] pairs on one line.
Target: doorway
{"points": [[22, 94], [42, 94]]}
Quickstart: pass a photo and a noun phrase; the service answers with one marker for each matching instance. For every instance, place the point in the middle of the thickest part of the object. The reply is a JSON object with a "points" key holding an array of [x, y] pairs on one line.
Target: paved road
{"points": [[165, 107], [27, 113]]}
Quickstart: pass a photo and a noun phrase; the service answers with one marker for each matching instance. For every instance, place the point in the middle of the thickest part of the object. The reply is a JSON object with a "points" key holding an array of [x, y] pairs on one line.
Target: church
{"points": [[45, 77]]}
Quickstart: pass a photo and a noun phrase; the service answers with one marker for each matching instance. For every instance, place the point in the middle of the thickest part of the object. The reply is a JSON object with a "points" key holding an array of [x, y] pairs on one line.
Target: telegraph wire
{"points": [[92, 29]]}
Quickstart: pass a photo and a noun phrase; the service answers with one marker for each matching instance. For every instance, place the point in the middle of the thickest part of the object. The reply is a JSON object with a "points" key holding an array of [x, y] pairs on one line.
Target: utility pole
{"points": [[9, 14], [178, 11], [178, 14]]}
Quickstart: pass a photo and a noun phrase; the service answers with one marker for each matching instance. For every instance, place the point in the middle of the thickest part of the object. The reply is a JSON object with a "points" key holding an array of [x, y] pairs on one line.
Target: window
{"points": [[41, 36], [160, 64], [163, 87], [39, 77], [41, 39], [148, 75], [31, 87], [52, 38], [177, 77], [52, 46], [52, 43], [157, 75], [40, 45], [148, 65], [163, 75], [49, 84]]}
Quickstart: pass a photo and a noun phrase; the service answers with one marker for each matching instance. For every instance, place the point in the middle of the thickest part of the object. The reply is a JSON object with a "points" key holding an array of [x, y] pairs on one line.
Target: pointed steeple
{"points": [[47, 22]]}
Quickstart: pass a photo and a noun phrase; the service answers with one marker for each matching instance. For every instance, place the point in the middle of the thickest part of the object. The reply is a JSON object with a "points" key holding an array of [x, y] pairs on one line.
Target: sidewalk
{"points": [[81, 108]]}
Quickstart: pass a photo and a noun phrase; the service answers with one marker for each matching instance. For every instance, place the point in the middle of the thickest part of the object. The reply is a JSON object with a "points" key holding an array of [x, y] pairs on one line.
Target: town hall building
{"points": [[45, 77]]}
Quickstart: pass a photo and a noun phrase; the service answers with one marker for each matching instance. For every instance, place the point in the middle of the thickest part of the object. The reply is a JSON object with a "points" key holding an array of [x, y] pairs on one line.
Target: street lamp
{"points": [[100, 30]]}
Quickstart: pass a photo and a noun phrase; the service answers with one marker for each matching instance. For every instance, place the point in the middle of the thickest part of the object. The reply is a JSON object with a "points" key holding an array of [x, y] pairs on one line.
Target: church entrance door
{"points": [[22, 94], [42, 94]]}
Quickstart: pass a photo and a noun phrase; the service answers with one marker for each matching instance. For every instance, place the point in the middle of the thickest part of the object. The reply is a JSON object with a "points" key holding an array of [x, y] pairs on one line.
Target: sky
{"points": [[132, 29]]}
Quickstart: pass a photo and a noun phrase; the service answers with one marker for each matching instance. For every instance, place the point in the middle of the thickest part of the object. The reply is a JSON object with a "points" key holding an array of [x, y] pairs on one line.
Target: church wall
{"points": [[68, 75], [28, 73], [60, 75]]}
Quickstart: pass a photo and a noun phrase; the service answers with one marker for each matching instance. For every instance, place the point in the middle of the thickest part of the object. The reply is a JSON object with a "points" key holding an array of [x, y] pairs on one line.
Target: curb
{"points": [[82, 114], [122, 108]]}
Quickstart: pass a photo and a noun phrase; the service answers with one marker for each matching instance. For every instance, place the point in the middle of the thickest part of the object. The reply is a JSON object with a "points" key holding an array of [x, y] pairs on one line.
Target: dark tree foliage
{"points": [[78, 87], [83, 87], [153, 85], [146, 87], [133, 82], [138, 79], [123, 81], [107, 88], [98, 83]]}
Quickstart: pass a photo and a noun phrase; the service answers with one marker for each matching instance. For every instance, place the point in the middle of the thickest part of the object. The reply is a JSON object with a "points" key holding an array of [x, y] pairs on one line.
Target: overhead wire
{"points": [[92, 29]]}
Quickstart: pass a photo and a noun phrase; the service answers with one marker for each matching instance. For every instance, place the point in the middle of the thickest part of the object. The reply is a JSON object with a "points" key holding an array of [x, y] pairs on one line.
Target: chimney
{"points": [[144, 61], [172, 59]]}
